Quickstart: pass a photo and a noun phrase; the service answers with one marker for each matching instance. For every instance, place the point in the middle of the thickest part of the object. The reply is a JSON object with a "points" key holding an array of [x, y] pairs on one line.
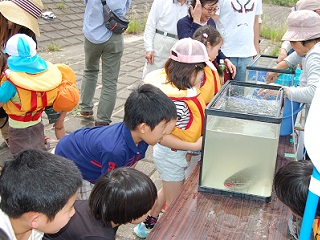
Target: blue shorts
{"points": [[170, 164]]}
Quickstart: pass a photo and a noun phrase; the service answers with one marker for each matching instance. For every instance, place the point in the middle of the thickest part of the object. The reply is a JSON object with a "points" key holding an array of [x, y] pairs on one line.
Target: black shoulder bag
{"points": [[113, 22]]}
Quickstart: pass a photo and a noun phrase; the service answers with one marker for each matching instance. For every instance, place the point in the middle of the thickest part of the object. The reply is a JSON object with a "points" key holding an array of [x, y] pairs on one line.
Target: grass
{"points": [[275, 34], [137, 22], [61, 5], [53, 47], [135, 26], [287, 3], [273, 31], [275, 51]]}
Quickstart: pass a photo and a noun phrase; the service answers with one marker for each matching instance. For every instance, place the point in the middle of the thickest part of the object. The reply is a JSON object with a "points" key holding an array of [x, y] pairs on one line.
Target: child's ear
{"points": [[142, 127], [35, 219]]}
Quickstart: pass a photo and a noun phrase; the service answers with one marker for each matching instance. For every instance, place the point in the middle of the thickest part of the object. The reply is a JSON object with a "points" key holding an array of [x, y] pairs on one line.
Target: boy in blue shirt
{"points": [[148, 115]]}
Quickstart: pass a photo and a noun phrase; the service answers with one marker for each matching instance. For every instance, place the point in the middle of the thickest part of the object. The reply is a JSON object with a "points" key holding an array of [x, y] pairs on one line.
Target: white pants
{"points": [[162, 46]]}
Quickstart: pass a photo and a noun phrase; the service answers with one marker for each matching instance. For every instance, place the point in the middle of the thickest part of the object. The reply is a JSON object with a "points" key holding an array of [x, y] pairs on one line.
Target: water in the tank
{"points": [[248, 101], [239, 155]]}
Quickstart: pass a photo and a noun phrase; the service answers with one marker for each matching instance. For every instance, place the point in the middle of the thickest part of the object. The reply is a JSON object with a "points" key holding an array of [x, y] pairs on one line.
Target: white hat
{"points": [[23, 55]]}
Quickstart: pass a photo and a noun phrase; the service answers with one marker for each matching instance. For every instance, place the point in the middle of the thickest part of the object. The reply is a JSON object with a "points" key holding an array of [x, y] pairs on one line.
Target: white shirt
{"points": [[5, 224], [236, 25], [164, 16], [310, 76]]}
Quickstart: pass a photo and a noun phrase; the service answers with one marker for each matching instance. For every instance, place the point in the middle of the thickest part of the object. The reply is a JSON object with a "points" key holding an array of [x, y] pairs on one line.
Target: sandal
{"points": [[50, 143], [48, 15]]}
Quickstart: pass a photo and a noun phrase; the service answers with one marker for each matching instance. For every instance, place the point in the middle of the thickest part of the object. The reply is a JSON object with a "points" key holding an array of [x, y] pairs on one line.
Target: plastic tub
{"points": [[290, 112]]}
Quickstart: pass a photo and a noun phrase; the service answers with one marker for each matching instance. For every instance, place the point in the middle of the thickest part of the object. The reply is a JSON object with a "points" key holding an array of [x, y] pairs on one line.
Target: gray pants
{"points": [[110, 53]]}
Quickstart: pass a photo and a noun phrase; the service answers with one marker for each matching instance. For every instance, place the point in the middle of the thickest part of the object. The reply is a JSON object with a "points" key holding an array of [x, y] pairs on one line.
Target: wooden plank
{"points": [[197, 215]]}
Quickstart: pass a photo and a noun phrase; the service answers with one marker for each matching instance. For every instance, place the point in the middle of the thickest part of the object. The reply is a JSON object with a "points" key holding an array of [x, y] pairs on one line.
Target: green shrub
{"points": [[135, 26], [61, 5], [287, 3], [275, 34], [53, 47]]}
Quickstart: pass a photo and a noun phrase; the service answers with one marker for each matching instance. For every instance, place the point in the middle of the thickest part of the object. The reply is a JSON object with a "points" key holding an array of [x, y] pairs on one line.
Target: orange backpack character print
{"points": [[68, 93]]}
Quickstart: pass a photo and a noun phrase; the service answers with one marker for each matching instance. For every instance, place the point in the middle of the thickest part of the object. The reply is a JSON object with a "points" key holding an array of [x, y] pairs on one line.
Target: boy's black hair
{"points": [[148, 104], [291, 184], [179, 73], [37, 181], [122, 195]]}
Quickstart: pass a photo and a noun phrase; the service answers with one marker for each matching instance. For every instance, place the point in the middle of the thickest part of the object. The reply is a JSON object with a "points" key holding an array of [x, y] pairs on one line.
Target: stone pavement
{"points": [[65, 32]]}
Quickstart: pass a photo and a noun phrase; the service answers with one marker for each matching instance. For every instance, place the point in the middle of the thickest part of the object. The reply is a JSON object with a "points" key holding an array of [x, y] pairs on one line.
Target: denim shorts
{"points": [[170, 164]]}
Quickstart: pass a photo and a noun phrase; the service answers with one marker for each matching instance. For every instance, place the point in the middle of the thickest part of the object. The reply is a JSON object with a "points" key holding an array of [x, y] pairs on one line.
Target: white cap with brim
{"points": [[23, 55], [23, 12], [302, 25]]}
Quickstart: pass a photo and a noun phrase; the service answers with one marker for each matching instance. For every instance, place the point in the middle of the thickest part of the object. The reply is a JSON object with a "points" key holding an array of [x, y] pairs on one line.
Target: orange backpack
{"points": [[68, 93]]}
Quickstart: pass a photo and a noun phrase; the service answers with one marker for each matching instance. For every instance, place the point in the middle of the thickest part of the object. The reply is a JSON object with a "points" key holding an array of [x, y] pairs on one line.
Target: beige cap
{"points": [[23, 12], [308, 5], [302, 25]]}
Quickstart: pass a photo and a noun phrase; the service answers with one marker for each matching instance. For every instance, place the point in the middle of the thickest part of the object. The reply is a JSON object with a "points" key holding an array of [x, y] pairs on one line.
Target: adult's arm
{"points": [[256, 29], [283, 51], [150, 31], [304, 94], [186, 27], [290, 61]]}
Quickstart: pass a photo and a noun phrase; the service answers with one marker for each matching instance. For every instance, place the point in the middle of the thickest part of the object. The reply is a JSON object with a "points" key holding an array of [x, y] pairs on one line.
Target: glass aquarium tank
{"points": [[241, 140], [262, 64]]}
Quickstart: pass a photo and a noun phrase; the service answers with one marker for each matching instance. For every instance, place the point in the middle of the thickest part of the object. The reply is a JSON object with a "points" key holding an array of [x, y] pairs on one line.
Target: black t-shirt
{"points": [[82, 226]]}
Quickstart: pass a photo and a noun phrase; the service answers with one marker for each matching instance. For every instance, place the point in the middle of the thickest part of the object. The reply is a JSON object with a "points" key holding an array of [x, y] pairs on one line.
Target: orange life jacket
{"points": [[68, 92], [196, 105], [316, 229], [35, 92], [211, 84]]}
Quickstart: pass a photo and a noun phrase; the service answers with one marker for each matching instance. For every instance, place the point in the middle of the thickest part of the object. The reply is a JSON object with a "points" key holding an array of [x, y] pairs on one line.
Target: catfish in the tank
{"points": [[242, 178]]}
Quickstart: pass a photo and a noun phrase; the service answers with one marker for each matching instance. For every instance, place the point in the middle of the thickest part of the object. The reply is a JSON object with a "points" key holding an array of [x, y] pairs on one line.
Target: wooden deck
{"points": [[196, 215]]}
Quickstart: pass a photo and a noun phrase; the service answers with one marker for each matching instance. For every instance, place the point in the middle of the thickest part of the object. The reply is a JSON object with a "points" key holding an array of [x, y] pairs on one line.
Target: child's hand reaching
{"points": [[232, 68]]}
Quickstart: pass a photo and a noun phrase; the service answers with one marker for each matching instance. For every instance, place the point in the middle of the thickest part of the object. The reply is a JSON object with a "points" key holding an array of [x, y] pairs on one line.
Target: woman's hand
{"points": [[272, 77], [196, 12], [265, 93]]}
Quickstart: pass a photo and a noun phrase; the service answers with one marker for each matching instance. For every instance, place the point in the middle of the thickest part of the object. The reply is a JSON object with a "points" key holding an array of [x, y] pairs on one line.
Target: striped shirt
{"points": [[183, 114]]}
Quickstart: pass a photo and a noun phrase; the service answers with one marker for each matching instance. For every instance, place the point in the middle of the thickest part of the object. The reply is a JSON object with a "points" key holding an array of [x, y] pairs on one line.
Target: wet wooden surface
{"points": [[196, 215]]}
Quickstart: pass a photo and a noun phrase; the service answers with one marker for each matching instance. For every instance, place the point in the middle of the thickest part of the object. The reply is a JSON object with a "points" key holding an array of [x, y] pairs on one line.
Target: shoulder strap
{"points": [[104, 4]]}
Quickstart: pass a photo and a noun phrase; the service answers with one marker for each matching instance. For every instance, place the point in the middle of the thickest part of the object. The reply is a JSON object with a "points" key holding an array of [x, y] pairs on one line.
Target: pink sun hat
{"points": [[188, 50]]}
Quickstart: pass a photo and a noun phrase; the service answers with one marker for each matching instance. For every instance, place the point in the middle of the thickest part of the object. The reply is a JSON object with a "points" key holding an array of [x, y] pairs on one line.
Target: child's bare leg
{"points": [[166, 195], [161, 200], [59, 126], [4, 124], [171, 190]]}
